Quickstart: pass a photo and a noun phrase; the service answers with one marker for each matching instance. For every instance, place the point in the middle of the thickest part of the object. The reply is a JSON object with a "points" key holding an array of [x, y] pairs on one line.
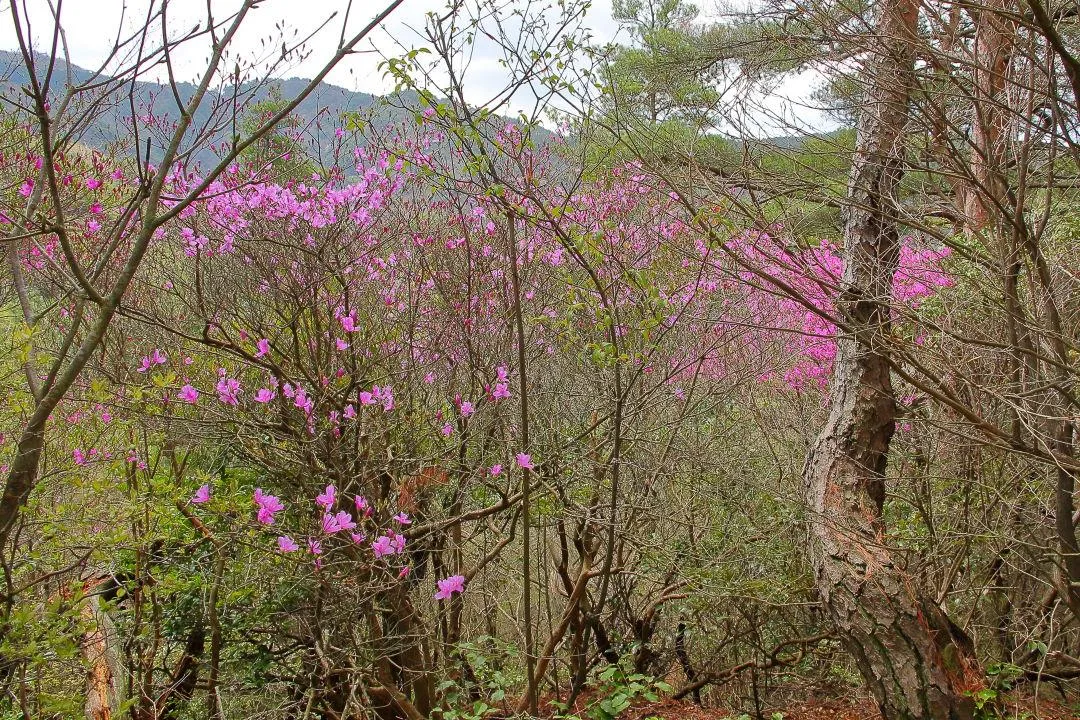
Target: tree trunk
{"points": [[101, 695], [913, 659]]}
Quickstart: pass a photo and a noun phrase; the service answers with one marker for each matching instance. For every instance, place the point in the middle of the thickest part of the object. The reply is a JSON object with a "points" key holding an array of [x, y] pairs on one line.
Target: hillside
{"points": [[320, 113]]}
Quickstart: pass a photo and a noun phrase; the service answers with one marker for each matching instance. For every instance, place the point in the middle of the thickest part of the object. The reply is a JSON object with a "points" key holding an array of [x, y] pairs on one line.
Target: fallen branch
{"points": [[773, 659]]}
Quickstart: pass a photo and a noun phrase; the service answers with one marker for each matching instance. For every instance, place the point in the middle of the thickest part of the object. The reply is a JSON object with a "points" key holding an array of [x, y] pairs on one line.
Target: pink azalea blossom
{"points": [[201, 495], [387, 545], [228, 390], [402, 519], [264, 395], [496, 469], [403, 573], [188, 394], [334, 523], [314, 546], [262, 347], [286, 544], [524, 461], [269, 505], [92, 183], [382, 546], [449, 586], [327, 497], [330, 524], [467, 409]]}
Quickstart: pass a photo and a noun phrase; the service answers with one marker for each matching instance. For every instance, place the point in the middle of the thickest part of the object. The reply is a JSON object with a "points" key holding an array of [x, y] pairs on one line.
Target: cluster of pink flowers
{"points": [[269, 506], [386, 544]]}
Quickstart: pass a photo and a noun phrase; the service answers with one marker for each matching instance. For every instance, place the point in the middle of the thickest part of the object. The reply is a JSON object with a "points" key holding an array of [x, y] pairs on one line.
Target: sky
{"points": [[91, 26]]}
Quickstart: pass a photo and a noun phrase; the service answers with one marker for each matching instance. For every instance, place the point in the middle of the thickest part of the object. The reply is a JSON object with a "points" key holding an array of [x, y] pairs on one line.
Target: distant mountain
{"points": [[320, 113]]}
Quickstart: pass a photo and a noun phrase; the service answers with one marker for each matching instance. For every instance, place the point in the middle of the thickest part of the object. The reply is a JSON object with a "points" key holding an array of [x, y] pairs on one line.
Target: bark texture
{"points": [[913, 658], [101, 694]]}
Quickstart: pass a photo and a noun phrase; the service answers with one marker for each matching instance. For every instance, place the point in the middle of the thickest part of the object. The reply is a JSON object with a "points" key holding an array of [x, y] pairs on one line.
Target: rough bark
{"points": [[913, 659], [101, 694]]}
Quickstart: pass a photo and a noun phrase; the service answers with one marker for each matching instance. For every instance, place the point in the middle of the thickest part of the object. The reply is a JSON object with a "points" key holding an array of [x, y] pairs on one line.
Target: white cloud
{"points": [[92, 26]]}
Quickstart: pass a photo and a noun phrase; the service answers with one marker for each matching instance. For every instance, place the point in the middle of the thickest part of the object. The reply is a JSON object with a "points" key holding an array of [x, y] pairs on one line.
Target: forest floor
{"points": [[1021, 706]]}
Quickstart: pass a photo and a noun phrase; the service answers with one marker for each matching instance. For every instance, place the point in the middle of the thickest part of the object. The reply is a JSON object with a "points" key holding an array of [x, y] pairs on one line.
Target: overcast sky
{"points": [[92, 25]]}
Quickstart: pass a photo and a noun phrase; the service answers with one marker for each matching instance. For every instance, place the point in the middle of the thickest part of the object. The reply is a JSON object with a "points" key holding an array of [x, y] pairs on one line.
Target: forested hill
{"points": [[319, 114]]}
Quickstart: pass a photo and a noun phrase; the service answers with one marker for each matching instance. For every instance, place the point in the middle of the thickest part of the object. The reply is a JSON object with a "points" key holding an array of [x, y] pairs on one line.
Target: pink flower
{"points": [[362, 506], [327, 497], [228, 390], [449, 586], [303, 402], [334, 523], [348, 323], [27, 188], [366, 398], [501, 391], [350, 412], [402, 519], [447, 429], [80, 457], [387, 545], [382, 546], [358, 537], [467, 409], [524, 461], [403, 573], [496, 469], [330, 524], [264, 395], [201, 495], [269, 505], [286, 544], [345, 520], [314, 546], [92, 183], [398, 543], [188, 394], [262, 347]]}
